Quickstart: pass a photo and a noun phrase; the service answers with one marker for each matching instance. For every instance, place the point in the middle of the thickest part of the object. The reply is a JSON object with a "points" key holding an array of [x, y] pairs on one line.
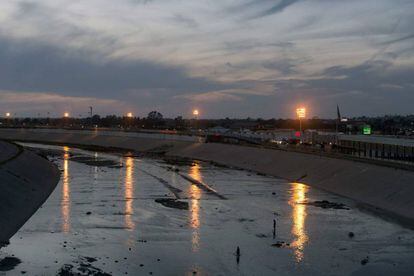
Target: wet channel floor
{"points": [[117, 215]]}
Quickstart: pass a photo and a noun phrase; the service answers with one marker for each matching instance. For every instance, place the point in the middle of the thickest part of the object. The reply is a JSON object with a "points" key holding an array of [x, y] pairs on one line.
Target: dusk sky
{"points": [[228, 58]]}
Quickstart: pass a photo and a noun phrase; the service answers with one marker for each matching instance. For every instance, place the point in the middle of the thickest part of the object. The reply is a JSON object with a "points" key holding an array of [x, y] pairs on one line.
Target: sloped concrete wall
{"points": [[122, 140], [389, 189], [26, 181]]}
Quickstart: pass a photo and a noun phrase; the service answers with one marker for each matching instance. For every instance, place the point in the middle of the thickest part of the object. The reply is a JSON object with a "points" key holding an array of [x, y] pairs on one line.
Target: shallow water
{"points": [[104, 219]]}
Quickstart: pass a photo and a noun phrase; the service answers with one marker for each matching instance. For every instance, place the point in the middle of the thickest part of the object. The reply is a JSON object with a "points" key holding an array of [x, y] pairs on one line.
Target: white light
{"points": [[301, 112]]}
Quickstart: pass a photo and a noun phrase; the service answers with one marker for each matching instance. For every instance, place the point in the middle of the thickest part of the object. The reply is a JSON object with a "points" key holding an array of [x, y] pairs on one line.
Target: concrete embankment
{"points": [[388, 189], [382, 188], [26, 181], [143, 142]]}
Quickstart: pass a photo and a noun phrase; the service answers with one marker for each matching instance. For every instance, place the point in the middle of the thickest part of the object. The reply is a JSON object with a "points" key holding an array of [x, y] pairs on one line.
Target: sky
{"points": [[227, 58]]}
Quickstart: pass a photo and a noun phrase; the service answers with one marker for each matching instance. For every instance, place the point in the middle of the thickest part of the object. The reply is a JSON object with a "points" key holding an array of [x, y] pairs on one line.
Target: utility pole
{"points": [[301, 113], [91, 114], [338, 120]]}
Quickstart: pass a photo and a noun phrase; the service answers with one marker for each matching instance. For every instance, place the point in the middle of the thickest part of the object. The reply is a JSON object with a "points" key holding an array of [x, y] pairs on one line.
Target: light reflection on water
{"points": [[65, 201], [129, 193], [195, 194], [178, 239], [299, 219]]}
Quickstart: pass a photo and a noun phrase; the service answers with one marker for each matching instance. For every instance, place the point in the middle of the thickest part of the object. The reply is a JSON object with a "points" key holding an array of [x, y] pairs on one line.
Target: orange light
{"points": [[66, 114], [129, 193], [65, 202], [301, 112], [8, 114], [129, 114], [195, 194], [195, 112], [299, 215]]}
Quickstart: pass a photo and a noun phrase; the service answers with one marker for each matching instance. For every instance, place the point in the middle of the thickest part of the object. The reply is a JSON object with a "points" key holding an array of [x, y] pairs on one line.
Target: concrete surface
{"points": [[123, 140], [388, 189], [7, 151], [103, 218], [26, 181]]}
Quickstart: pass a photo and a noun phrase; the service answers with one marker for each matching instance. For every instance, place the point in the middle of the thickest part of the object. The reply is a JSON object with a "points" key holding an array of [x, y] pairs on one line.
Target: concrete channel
{"points": [[386, 190], [117, 213]]}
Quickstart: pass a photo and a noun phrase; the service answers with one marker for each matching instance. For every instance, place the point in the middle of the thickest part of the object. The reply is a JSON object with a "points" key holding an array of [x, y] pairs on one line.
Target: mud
{"points": [[9, 263], [172, 203], [82, 267], [281, 244], [327, 205]]}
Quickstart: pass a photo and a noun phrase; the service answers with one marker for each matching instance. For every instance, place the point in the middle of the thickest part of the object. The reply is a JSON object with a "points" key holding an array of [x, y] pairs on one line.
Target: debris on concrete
{"points": [[365, 260], [327, 205], [281, 244], [9, 263], [173, 203]]}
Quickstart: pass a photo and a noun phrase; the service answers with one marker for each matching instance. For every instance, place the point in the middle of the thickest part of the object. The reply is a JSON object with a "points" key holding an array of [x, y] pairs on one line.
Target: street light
{"points": [[129, 115], [195, 113], [8, 114], [301, 113], [66, 114]]}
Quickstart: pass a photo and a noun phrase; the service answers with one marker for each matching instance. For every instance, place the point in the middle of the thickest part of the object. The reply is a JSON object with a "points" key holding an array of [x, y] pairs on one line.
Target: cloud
{"points": [[36, 67], [286, 66], [211, 97], [168, 55], [186, 21], [408, 37], [283, 4], [371, 87]]}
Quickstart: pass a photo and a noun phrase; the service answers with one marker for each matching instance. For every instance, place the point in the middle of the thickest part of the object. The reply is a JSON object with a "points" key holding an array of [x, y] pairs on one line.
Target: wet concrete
{"points": [[104, 220]]}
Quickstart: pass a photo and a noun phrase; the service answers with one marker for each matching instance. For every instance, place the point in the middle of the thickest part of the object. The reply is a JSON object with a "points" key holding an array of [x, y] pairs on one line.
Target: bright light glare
{"points": [[129, 114], [195, 112], [66, 114], [301, 112], [8, 114]]}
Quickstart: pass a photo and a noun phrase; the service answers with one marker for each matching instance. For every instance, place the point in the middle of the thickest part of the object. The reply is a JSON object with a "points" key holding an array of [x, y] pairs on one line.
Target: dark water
{"points": [[107, 217]]}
